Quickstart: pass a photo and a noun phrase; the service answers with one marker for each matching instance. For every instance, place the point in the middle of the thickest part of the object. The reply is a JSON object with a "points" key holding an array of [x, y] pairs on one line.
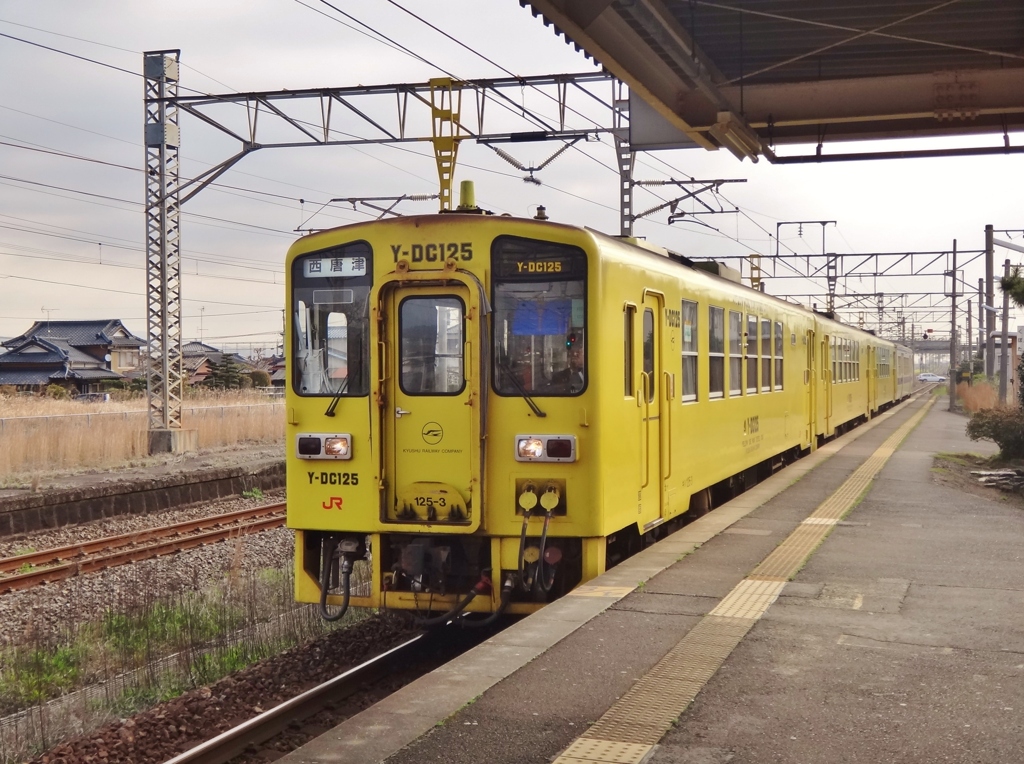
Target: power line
{"points": [[137, 204], [72, 55], [64, 257], [122, 291]]}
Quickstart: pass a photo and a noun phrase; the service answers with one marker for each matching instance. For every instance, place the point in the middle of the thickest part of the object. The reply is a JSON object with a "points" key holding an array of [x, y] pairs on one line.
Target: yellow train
{"points": [[484, 412]]}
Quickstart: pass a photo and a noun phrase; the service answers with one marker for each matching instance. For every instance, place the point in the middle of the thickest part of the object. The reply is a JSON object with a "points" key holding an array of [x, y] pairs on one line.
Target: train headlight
{"points": [[323, 445], [530, 448], [337, 447], [545, 448]]}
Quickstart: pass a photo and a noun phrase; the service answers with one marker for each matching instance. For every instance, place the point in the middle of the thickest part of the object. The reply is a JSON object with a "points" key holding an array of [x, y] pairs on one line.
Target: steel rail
{"points": [[85, 548], [90, 565], [259, 729]]}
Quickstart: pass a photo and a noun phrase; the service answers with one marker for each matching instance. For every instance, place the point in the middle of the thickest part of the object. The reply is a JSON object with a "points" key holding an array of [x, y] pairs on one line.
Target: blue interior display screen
{"points": [[550, 317]]}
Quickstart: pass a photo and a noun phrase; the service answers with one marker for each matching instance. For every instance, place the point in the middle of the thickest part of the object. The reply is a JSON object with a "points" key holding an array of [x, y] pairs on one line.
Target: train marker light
{"points": [[309, 446], [559, 448], [545, 448], [323, 445]]}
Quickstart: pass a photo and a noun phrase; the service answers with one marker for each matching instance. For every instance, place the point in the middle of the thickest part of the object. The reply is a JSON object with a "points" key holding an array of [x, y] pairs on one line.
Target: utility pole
{"points": [[913, 344], [970, 339], [1004, 350], [990, 316], [952, 333], [981, 322]]}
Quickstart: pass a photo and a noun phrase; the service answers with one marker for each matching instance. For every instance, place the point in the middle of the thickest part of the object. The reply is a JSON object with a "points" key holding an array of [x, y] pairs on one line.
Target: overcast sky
{"points": [[72, 230]]}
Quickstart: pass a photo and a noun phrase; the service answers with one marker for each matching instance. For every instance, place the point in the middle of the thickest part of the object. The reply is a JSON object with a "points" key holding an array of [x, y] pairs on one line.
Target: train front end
{"points": [[422, 473]]}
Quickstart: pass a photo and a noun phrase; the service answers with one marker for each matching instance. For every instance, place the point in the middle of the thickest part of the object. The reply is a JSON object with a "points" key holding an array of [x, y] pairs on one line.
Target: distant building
{"points": [[199, 359], [277, 371], [81, 356]]}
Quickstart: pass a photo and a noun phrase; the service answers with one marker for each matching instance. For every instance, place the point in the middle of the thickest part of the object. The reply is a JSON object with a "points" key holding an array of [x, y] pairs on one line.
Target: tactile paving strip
{"points": [[644, 713], [750, 599], [593, 750], [641, 717]]}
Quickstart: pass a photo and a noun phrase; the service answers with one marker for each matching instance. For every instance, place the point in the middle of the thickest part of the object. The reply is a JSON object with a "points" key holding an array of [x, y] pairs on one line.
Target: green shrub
{"points": [[259, 378], [57, 392], [1003, 426]]}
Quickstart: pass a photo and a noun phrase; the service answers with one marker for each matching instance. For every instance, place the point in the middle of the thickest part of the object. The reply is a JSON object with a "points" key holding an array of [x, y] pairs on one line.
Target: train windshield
{"points": [[539, 318], [331, 321]]}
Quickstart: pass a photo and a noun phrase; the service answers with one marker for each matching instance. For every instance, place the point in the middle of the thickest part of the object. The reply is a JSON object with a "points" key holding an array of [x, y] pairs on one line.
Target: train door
{"points": [[826, 376], [872, 380], [811, 385], [649, 399], [429, 388]]}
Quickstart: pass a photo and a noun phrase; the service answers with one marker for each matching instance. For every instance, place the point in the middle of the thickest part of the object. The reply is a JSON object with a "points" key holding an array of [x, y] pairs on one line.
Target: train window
{"points": [[735, 352], [834, 362], [539, 317], [751, 354], [716, 352], [649, 353], [689, 350], [629, 321], [778, 354], [766, 355], [329, 309], [430, 345]]}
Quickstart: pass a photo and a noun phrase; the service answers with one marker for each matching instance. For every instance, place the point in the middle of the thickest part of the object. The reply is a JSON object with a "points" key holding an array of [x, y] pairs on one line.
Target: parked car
{"points": [[93, 397], [929, 377]]}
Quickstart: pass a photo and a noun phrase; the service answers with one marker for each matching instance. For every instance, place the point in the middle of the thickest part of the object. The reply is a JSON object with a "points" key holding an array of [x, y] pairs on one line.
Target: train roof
{"points": [[700, 268]]}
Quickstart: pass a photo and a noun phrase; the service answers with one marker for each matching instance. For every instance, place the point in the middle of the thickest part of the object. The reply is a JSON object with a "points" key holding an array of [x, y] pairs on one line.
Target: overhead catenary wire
{"points": [[409, 51]]}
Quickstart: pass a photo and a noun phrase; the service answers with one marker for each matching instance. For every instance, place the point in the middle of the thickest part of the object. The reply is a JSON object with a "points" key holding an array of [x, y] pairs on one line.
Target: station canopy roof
{"points": [[753, 75]]}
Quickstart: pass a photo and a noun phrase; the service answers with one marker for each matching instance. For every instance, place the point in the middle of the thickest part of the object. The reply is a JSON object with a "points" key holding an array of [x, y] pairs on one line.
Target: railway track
{"points": [[24, 571], [292, 713], [291, 723]]}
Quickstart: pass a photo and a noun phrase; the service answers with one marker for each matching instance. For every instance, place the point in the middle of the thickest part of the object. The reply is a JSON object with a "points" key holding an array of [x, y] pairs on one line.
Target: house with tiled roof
{"points": [[199, 359], [80, 356]]}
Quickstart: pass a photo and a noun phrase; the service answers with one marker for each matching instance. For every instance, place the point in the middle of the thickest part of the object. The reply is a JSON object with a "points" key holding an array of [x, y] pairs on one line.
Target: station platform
{"points": [[848, 609]]}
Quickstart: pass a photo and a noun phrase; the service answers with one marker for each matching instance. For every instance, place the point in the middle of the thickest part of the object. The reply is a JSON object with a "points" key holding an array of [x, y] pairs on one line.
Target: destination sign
{"points": [[333, 267]]}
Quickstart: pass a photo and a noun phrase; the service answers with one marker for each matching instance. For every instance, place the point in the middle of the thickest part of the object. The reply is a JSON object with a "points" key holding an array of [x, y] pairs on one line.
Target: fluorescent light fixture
{"points": [[736, 135]]}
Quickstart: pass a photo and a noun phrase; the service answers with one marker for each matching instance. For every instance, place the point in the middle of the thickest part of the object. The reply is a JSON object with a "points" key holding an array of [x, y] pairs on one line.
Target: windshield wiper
{"points": [[522, 390], [337, 397]]}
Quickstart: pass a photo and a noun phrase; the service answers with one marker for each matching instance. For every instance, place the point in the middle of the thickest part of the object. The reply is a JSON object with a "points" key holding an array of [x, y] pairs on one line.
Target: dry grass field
{"points": [[980, 395], [42, 435]]}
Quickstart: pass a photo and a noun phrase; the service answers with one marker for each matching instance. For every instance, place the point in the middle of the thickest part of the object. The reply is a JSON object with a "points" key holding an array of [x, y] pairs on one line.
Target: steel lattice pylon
{"points": [[164, 384]]}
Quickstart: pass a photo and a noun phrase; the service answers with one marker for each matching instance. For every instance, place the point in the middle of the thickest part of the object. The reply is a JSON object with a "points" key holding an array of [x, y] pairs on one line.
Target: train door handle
{"points": [[400, 412]]}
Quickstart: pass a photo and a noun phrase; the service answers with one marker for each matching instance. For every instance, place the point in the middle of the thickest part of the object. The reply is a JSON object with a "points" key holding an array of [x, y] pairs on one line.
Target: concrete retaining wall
{"points": [[57, 508]]}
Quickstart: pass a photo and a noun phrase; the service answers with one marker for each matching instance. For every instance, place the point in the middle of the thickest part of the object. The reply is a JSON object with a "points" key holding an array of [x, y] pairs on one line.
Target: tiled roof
{"points": [[40, 351], [80, 333], [92, 374], [35, 351], [75, 356], [25, 376], [197, 348]]}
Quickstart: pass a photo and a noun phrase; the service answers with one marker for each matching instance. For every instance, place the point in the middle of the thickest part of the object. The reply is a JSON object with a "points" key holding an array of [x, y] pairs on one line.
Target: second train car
{"points": [[484, 412]]}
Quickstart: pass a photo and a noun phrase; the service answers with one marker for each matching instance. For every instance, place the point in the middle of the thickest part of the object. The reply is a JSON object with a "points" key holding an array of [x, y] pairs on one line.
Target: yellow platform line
{"points": [[641, 717]]}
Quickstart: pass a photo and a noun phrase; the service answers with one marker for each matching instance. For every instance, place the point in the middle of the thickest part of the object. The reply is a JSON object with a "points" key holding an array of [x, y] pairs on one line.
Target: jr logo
{"points": [[333, 503]]}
